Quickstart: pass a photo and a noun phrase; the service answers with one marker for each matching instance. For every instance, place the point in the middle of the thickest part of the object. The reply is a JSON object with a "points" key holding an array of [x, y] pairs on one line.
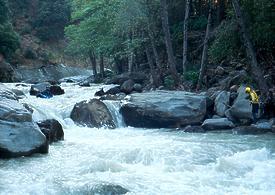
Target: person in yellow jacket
{"points": [[254, 100]]}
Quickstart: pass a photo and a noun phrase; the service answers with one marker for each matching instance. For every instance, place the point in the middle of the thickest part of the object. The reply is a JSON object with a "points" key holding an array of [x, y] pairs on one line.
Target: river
{"points": [[143, 161]]}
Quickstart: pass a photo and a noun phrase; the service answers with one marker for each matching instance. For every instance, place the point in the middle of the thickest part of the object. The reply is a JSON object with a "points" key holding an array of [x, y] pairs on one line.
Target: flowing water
{"points": [[143, 161]]}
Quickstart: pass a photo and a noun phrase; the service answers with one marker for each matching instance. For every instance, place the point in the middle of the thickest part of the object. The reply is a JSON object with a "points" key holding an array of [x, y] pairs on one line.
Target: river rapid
{"points": [[143, 161]]}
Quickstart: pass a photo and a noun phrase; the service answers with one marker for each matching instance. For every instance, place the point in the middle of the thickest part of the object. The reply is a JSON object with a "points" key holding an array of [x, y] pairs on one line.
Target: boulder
{"points": [[39, 88], [49, 73], [93, 113], [157, 109], [11, 110], [19, 136], [127, 87], [222, 103], [110, 189], [251, 130], [56, 90], [193, 129], [20, 94], [137, 77], [234, 78], [113, 90], [241, 108], [116, 97], [21, 139], [100, 92], [217, 124], [52, 129], [219, 71], [138, 87], [6, 93]]}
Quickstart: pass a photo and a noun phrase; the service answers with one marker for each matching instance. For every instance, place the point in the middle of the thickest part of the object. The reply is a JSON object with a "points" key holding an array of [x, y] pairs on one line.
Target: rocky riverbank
{"points": [[213, 110]]}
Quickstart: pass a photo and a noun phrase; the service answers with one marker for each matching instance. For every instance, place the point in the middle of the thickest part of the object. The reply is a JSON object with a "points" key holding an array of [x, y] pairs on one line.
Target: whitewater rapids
{"points": [[143, 161]]}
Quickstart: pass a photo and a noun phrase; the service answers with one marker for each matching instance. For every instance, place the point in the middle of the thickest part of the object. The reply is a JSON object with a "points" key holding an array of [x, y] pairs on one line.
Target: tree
{"points": [[52, 17], [9, 40], [168, 42], [255, 70], [185, 38], [205, 49]]}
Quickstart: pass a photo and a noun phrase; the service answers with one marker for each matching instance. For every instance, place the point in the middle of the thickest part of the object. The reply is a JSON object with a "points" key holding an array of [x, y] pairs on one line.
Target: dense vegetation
{"points": [[9, 40], [174, 40], [132, 32]]}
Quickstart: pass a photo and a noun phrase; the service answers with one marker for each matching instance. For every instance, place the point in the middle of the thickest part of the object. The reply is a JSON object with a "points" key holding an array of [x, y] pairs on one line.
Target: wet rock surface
{"points": [[164, 109], [92, 113], [19, 135], [52, 129]]}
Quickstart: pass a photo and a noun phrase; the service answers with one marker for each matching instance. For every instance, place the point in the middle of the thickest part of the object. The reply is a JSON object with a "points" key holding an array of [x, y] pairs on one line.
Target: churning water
{"points": [[140, 161]]}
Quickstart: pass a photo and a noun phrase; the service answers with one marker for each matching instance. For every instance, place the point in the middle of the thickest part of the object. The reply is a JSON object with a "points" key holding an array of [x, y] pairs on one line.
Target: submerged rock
{"points": [[160, 109], [217, 124], [52, 129], [251, 130], [193, 129], [109, 189], [93, 113]]}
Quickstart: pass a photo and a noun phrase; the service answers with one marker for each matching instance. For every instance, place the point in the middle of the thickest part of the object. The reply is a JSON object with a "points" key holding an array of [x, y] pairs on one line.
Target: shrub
{"points": [[227, 42], [169, 82], [192, 76]]}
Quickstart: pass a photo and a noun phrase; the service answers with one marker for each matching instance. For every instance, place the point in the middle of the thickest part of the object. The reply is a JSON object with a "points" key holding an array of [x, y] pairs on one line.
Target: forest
{"points": [[176, 41]]}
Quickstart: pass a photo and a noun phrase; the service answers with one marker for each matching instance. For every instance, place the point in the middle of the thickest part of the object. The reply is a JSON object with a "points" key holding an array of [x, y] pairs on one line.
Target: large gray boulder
{"points": [[128, 86], [93, 113], [21, 139], [222, 103], [241, 109], [217, 124], [19, 136], [159, 109]]}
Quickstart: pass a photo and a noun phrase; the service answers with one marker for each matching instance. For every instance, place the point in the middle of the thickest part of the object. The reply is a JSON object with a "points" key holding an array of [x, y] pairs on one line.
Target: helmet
{"points": [[247, 90]]}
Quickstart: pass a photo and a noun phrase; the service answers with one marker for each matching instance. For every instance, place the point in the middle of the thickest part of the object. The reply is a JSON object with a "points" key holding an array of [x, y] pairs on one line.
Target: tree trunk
{"points": [[204, 51], [152, 68], [101, 66], [185, 38], [130, 54], [250, 52], [168, 43], [93, 62], [154, 47]]}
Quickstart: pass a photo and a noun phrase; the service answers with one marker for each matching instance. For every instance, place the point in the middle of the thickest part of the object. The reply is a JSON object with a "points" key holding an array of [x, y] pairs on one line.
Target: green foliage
{"points": [[226, 44], [53, 16], [9, 40], [169, 82], [261, 22], [198, 23], [192, 76], [4, 10]]}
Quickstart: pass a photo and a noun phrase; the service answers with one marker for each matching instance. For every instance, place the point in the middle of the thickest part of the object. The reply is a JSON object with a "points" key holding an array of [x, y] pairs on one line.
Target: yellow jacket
{"points": [[254, 98]]}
